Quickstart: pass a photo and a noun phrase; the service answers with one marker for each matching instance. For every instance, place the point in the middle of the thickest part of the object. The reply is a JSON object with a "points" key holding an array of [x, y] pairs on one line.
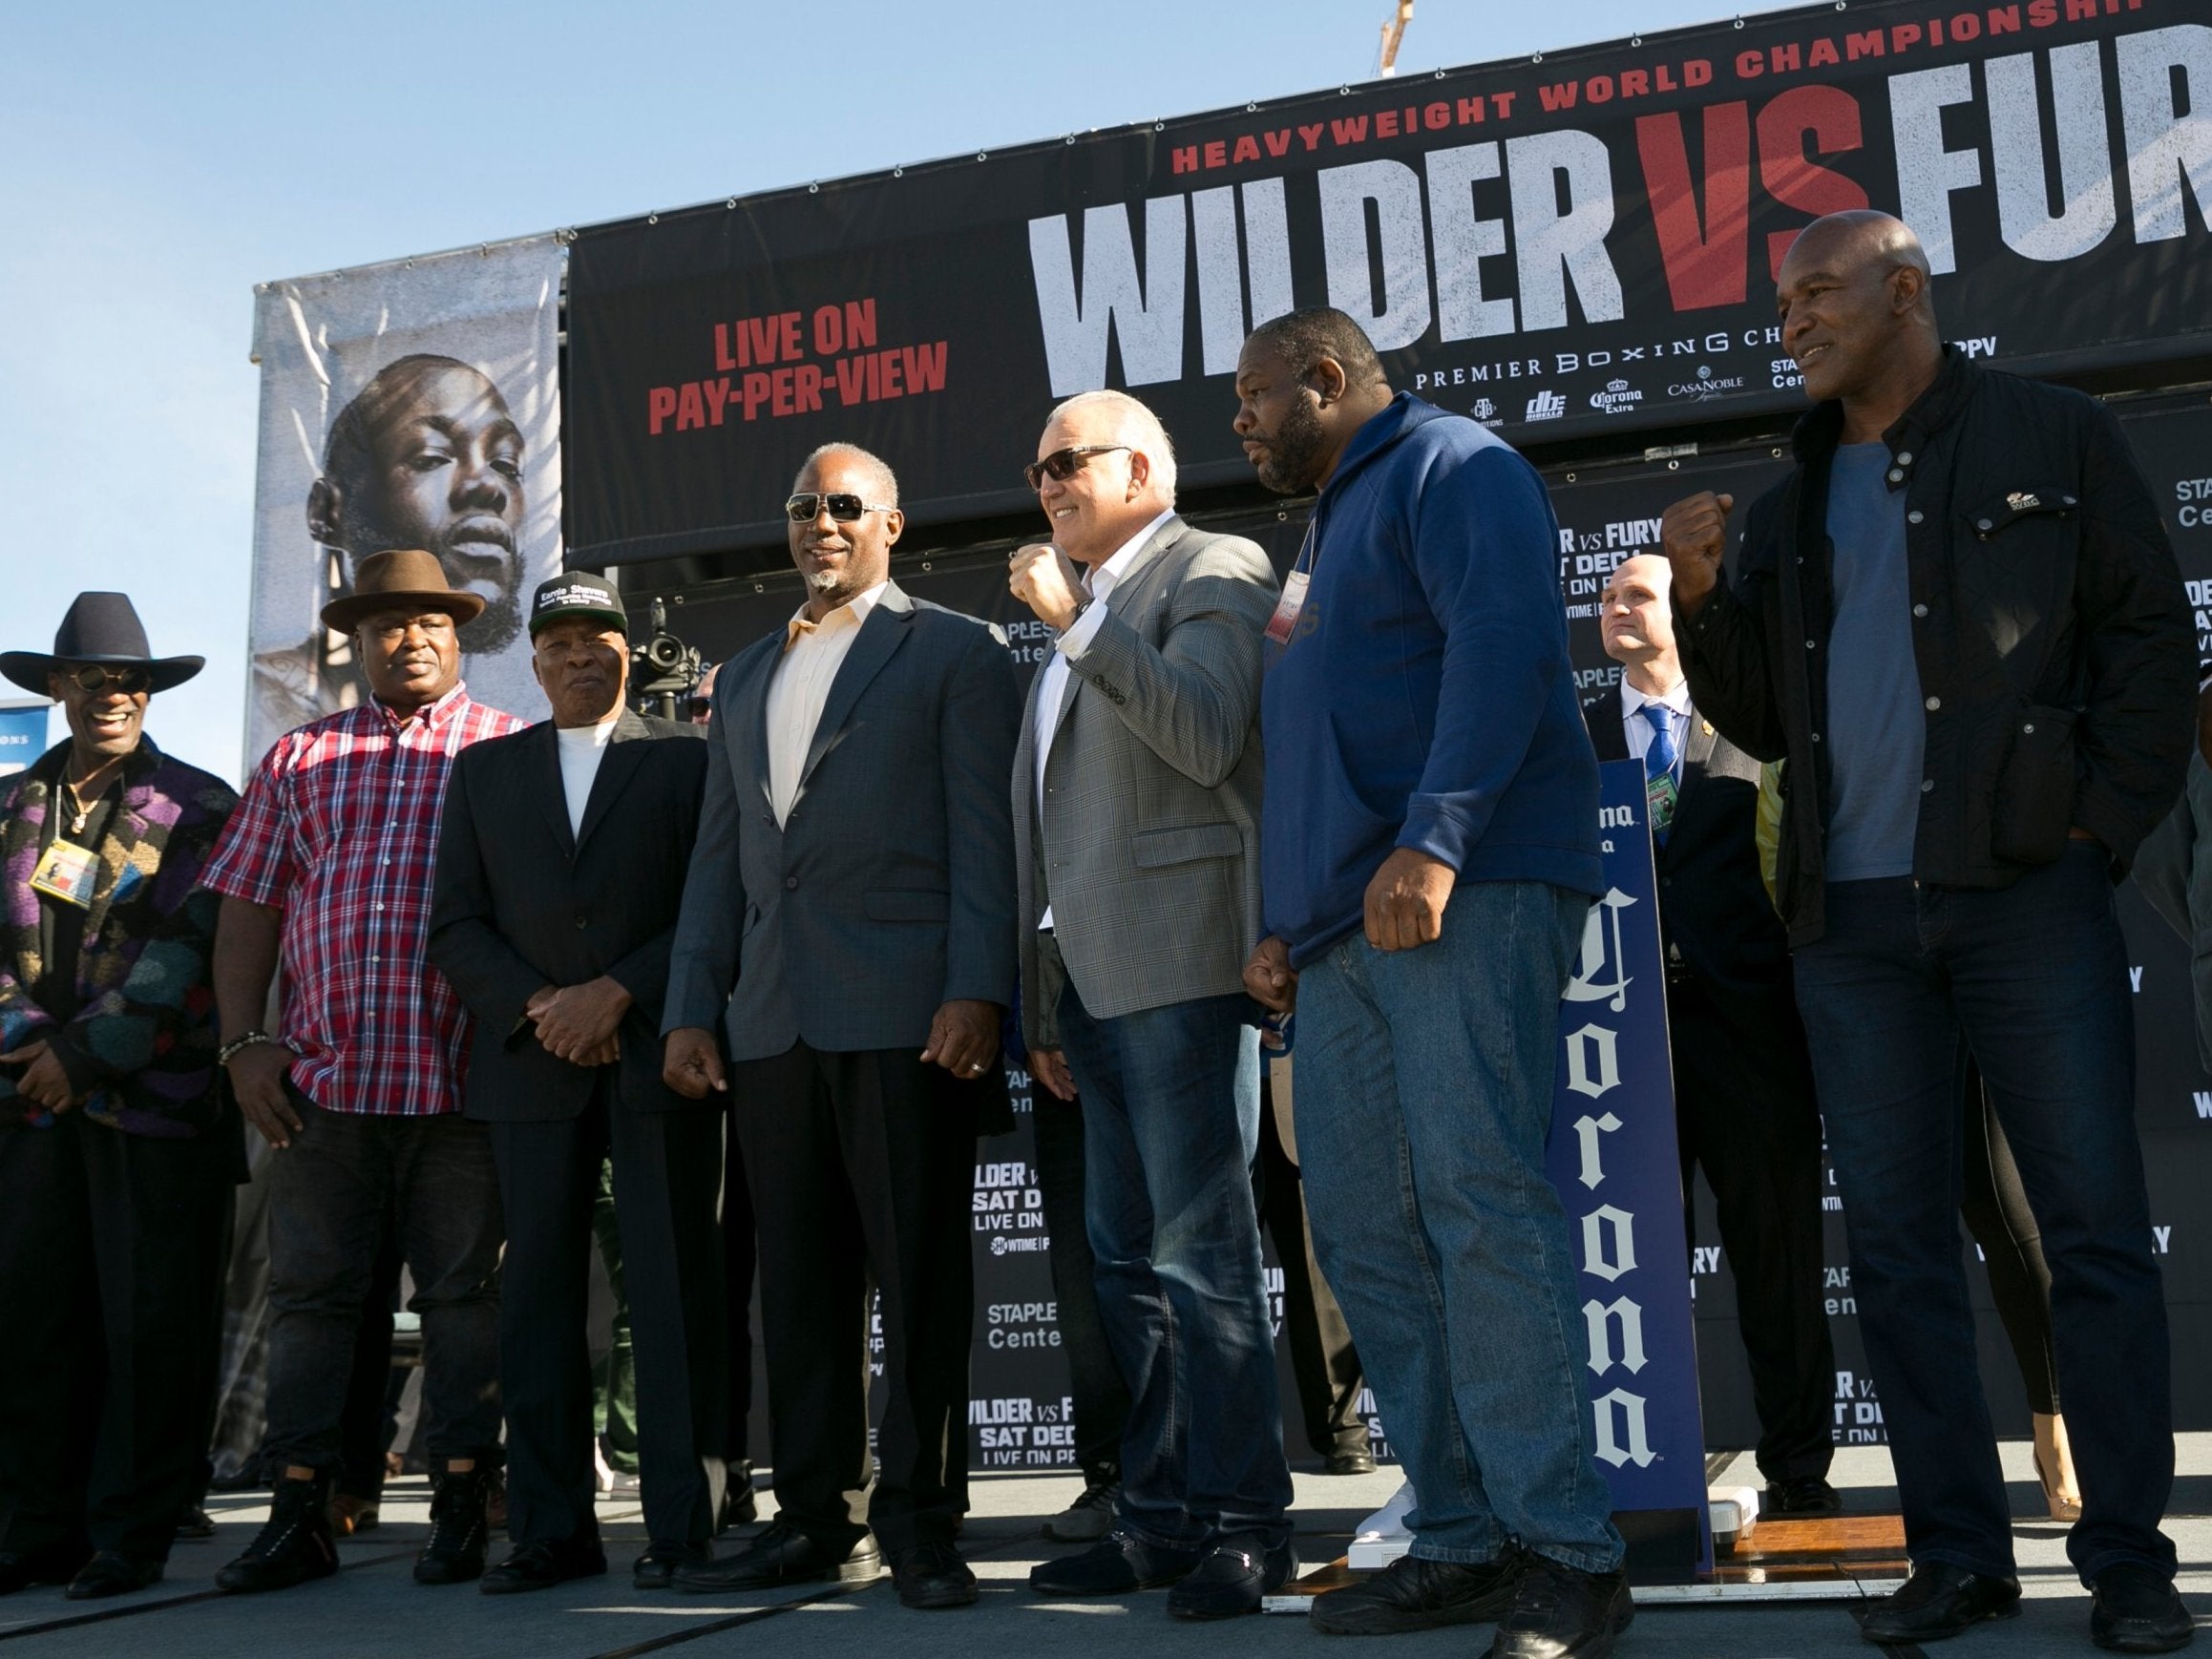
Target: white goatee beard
{"points": [[823, 581]]}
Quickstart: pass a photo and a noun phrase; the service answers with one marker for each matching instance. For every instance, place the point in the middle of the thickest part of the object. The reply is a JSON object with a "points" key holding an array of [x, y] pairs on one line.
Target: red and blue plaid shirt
{"points": [[339, 828]]}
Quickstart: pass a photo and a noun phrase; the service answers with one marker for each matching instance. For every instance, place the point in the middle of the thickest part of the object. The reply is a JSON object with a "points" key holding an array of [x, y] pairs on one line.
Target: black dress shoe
{"points": [[2137, 1610], [933, 1575], [21, 1568], [1113, 1566], [293, 1546], [784, 1554], [739, 1503], [1357, 1460], [195, 1523], [1799, 1496], [1938, 1600], [1561, 1614], [656, 1568], [539, 1566], [112, 1574], [1412, 1594], [1232, 1577], [460, 1529]]}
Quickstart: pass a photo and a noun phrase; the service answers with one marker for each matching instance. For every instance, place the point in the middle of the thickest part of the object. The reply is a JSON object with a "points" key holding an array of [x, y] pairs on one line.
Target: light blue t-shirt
{"points": [[1877, 731]]}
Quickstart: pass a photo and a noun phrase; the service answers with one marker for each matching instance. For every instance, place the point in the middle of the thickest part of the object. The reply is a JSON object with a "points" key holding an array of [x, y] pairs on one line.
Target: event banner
{"points": [[1576, 245], [416, 405], [23, 728]]}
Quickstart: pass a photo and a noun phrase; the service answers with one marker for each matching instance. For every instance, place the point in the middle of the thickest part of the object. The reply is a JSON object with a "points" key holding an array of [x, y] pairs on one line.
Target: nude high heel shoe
{"points": [[2054, 1468]]}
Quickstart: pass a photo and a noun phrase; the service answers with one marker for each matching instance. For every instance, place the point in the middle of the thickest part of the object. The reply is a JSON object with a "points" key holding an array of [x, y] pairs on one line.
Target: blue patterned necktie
{"points": [[1660, 759]]}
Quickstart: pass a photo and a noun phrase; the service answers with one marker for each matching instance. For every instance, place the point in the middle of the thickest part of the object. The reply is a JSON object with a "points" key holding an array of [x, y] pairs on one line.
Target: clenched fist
{"points": [[1043, 577], [1693, 532]]}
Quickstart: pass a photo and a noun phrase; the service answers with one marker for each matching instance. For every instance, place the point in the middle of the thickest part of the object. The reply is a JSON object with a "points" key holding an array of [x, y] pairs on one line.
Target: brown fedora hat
{"points": [[397, 581]]}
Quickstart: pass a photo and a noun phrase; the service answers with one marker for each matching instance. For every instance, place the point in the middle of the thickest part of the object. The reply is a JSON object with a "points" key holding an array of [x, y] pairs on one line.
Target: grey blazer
{"points": [[1149, 852], [890, 888]]}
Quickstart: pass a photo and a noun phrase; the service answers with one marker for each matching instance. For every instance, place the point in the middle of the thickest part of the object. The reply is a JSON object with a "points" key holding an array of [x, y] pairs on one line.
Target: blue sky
{"points": [[161, 159]]}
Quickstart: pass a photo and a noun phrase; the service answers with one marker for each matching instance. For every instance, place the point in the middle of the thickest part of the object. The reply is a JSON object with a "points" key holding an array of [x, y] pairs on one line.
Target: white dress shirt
{"points": [[1637, 725], [800, 684], [582, 749], [1052, 683]]}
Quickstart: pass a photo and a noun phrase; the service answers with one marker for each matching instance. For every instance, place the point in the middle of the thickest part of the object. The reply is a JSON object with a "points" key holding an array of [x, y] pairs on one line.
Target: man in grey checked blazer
{"points": [[1137, 805]]}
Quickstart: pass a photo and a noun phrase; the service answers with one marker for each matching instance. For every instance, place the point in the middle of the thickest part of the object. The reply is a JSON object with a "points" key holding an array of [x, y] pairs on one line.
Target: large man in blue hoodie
{"points": [[1428, 855]]}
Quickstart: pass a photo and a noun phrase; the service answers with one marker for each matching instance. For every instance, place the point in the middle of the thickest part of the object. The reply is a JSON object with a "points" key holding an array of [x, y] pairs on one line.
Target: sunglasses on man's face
{"points": [[806, 508], [1063, 465], [95, 677]]}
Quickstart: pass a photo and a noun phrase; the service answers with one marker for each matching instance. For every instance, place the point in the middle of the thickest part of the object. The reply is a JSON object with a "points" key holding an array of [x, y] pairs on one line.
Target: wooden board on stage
{"points": [[1824, 1558]]}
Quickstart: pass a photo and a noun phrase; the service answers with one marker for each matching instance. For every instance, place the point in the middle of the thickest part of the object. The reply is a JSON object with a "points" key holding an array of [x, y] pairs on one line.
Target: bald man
{"points": [[1960, 621], [846, 942], [1743, 1082]]}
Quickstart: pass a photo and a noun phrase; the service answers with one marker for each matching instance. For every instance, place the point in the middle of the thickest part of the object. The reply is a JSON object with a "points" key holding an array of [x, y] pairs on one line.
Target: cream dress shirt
{"points": [[813, 654]]}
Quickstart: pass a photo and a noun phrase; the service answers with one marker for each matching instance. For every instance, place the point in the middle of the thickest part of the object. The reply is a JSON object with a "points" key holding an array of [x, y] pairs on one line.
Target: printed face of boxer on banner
{"points": [[428, 456]]}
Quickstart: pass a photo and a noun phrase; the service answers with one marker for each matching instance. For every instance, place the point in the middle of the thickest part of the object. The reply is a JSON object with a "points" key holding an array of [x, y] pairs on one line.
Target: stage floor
{"points": [[374, 1608]]}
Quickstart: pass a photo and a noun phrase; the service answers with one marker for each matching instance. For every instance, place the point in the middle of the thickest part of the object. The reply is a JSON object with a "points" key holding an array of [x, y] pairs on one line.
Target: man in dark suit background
{"points": [[561, 861], [1743, 1084], [848, 924]]}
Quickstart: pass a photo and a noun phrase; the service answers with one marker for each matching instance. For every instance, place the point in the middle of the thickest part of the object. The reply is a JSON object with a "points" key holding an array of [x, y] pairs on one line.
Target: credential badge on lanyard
{"points": [[1293, 597]]}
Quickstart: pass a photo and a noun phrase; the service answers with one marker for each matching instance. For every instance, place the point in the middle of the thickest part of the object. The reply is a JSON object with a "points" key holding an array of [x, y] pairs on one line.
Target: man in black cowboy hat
{"points": [[116, 1167], [329, 861]]}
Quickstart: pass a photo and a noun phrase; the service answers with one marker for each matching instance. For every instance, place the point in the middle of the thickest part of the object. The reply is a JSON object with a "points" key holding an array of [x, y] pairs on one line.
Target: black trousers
{"points": [[1322, 1358], [1100, 1397], [862, 1163], [668, 1172], [1994, 1202], [740, 1270], [111, 1254], [1745, 1111]]}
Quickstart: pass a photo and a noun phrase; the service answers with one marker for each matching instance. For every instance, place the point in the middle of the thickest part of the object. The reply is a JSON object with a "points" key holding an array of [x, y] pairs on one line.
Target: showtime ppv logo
{"points": [[1607, 1234]]}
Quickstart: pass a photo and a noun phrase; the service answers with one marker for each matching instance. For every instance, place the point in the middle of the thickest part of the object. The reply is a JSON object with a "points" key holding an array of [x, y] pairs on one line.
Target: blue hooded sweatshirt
{"points": [[1424, 698]]}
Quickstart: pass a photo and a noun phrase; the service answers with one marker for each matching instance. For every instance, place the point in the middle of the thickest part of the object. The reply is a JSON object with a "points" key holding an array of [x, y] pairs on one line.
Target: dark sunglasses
{"points": [[844, 509], [96, 677], [1063, 465]]}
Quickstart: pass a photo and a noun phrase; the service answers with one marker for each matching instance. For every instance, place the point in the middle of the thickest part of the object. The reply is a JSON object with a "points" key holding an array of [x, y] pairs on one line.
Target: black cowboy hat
{"points": [[102, 628]]}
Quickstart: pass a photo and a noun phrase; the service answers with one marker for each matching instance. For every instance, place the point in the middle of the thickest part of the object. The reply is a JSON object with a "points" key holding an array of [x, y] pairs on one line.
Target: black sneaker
{"points": [[1113, 1566], [293, 1546], [2137, 1610], [460, 1531], [1412, 1594], [1090, 1516], [1561, 1614]]}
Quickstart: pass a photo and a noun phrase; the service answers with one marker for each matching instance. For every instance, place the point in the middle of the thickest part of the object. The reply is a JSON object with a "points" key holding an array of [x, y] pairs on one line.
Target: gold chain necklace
{"points": [[77, 808]]}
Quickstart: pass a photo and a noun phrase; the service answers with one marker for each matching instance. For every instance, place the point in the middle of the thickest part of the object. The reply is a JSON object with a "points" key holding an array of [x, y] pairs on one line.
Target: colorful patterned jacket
{"points": [[145, 1033]]}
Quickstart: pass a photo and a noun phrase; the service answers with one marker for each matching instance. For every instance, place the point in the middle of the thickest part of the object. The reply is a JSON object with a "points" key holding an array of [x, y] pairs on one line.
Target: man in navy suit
{"points": [[1743, 1081], [849, 926]]}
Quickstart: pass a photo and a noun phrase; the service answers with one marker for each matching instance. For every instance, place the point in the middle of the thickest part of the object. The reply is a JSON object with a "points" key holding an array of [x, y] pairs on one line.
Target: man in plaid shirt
{"points": [[328, 861]]}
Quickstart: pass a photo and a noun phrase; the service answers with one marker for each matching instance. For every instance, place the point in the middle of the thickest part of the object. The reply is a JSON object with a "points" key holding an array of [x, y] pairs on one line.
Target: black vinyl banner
{"points": [[1578, 243]]}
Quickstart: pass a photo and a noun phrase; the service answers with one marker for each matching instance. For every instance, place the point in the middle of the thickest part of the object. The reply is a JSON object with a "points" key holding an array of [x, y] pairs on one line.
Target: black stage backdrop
{"points": [[1606, 512], [1570, 247]]}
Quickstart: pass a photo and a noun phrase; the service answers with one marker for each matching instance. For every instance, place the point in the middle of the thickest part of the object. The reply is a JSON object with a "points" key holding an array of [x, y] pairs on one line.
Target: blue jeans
{"points": [[1424, 1096], [1171, 1114], [2036, 977]]}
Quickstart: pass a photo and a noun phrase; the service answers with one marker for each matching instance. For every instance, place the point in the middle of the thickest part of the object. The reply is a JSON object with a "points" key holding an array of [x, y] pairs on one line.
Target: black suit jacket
{"points": [[1714, 906], [522, 903]]}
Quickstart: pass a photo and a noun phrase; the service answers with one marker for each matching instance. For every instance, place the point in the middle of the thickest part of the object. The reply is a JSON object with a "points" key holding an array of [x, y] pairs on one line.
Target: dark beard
{"points": [[494, 630], [1295, 451]]}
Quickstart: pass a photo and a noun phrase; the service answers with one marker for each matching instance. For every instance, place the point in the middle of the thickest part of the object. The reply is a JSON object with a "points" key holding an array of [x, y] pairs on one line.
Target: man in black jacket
{"points": [[560, 865], [1743, 1082], [1960, 619]]}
